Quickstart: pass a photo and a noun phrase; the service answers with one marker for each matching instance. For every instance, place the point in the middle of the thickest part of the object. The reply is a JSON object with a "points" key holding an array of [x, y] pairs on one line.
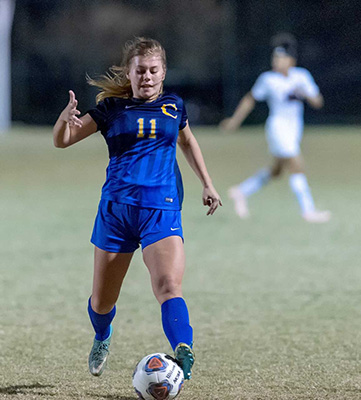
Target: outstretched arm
{"points": [[70, 129], [316, 102], [192, 152], [244, 108]]}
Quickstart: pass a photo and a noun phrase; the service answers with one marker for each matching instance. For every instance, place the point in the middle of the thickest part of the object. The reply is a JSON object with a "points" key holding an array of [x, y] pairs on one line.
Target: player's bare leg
{"points": [[165, 260], [109, 272], [277, 167]]}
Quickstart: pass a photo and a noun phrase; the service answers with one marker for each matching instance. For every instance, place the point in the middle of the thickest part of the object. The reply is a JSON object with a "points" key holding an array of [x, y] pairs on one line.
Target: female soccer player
{"points": [[142, 196], [285, 88]]}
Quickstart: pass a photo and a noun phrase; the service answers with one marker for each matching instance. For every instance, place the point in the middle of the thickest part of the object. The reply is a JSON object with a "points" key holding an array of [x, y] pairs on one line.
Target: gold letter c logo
{"points": [[164, 110]]}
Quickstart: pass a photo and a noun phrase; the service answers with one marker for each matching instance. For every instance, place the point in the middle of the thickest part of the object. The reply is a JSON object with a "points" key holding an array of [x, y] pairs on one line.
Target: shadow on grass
{"points": [[26, 389], [112, 397], [31, 389]]}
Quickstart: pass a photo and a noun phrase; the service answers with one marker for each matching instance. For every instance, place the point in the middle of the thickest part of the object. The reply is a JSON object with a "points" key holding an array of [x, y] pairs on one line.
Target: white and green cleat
{"points": [[185, 357], [98, 356]]}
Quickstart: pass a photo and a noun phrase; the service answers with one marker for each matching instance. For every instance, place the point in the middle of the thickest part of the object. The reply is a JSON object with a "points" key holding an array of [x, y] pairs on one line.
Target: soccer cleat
{"points": [[240, 201], [317, 217], [99, 355], [185, 357]]}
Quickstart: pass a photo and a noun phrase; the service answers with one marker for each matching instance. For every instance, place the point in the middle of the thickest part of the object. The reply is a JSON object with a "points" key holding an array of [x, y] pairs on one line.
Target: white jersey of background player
{"points": [[284, 88], [284, 124]]}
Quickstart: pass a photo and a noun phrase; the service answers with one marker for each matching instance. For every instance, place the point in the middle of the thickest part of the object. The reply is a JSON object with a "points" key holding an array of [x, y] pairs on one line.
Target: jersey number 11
{"points": [[153, 124]]}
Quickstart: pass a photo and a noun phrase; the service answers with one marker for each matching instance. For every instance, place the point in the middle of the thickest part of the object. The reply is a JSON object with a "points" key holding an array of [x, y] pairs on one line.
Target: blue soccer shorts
{"points": [[120, 228]]}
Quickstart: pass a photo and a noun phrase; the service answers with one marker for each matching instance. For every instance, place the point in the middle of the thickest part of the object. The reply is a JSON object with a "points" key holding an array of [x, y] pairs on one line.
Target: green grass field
{"points": [[275, 302]]}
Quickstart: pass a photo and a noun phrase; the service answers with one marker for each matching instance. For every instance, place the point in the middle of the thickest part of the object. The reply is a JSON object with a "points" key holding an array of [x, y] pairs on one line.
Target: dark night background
{"points": [[215, 50]]}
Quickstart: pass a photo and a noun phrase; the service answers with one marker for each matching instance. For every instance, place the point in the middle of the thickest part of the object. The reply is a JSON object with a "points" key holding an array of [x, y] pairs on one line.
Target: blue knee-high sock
{"points": [[101, 322], [175, 319]]}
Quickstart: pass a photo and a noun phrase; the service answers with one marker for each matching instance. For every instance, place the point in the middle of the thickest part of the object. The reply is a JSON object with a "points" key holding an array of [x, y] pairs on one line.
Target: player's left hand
{"points": [[297, 94], [211, 199]]}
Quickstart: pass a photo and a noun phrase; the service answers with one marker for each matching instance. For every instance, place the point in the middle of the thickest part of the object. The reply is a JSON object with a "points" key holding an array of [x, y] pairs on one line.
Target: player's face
{"points": [[146, 75], [281, 63]]}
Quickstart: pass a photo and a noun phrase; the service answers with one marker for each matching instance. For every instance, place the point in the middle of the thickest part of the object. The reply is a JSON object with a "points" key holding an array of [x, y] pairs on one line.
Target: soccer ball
{"points": [[158, 376]]}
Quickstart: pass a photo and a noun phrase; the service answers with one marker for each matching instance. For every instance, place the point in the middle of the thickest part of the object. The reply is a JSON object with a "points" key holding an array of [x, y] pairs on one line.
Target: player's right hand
{"points": [[72, 111]]}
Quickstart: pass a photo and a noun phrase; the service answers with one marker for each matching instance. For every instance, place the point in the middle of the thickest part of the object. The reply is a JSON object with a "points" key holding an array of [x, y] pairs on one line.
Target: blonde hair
{"points": [[115, 82]]}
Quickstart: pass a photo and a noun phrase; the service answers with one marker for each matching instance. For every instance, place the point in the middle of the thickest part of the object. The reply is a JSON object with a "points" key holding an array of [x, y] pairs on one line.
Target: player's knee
{"points": [[297, 169], [167, 287], [101, 306]]}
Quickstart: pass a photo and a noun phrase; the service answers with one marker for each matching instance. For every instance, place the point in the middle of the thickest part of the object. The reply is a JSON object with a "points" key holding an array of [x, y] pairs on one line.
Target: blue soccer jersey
{"points": [[142, 138]]}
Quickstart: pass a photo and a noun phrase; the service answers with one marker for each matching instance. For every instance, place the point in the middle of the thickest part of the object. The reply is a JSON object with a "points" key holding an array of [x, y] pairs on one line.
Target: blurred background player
{"points": [[285, 88], [142, 196]]}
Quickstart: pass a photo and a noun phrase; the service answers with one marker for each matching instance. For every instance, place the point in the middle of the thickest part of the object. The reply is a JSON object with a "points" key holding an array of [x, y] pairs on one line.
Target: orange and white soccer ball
{"points": [[158, 376]]}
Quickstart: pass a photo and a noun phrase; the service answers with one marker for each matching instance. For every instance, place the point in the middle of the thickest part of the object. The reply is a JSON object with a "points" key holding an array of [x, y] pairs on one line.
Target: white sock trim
{"points": [[299, 185], [254, 183]]}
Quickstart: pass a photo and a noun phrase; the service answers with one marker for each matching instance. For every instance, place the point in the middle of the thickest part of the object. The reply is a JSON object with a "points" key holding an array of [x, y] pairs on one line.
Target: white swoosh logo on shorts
{"points": [[174, 229]]}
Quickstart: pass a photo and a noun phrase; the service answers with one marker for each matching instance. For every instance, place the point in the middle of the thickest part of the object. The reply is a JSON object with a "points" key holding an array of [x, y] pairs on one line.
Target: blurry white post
{"points": [[6, 20]]}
